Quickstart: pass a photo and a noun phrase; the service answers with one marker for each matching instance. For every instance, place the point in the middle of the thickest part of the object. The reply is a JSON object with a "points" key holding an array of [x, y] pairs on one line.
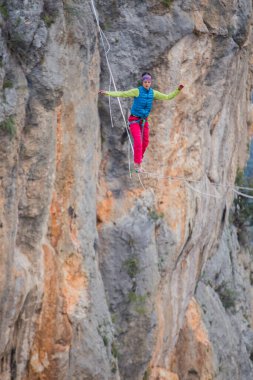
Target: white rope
{"points": [[177, 178], [184, 179], [242, 194], [102, 35], [201, 192], [188, 181], [173, 178], [244, 188]]}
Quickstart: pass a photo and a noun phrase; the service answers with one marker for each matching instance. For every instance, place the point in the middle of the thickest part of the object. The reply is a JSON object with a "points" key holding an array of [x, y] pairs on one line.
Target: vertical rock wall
{"points": [[51, 290], [97, 272]]}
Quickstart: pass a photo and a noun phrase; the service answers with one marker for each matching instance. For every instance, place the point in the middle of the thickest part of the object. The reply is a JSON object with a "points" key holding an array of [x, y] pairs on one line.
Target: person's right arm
{"points": [[134, 92]]}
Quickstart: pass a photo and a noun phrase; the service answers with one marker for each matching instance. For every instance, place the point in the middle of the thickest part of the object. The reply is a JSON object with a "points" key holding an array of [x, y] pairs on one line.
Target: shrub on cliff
{"points": [[8, 125], [242, 214]]}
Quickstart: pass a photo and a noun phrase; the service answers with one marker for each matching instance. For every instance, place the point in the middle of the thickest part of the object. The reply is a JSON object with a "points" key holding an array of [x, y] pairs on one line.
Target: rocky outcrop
{"points": [[231, 303], [220, 345], [103, 277]]}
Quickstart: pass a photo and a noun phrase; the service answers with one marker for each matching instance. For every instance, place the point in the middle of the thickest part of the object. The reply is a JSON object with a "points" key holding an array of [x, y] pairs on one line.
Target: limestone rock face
{"points": [[51, 289], [220, 345], [103, 276], [224, 293]]}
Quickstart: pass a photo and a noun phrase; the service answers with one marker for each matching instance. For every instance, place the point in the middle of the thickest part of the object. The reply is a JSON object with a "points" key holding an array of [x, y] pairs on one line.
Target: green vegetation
{"points": [[114, 367], [4, 11], [154, 215], [15, 42], [114, 318], [18, 22], [231, 30], [48, 19], [160, 263], [227, 297], [167, 3], [8, 125], [7, 84], [131, 242], [131, 266], [138, 302], [147, 374], [103, 332], [49, 14], [239, 177], [133, 297], [105, 340], [242, 214], [107, 25], [114, 350]]}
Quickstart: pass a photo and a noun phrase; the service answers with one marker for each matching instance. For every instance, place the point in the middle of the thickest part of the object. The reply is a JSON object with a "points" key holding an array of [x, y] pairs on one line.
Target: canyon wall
{"points": [[103, 275]]}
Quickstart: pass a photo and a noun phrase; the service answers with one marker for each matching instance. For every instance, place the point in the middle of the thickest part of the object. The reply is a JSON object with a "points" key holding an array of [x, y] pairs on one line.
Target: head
{"points": [[146, 80]]}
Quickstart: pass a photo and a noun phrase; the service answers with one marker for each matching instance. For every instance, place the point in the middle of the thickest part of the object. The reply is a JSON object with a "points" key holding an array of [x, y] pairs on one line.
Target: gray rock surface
{"points": [[129, 267], [224, 293]]}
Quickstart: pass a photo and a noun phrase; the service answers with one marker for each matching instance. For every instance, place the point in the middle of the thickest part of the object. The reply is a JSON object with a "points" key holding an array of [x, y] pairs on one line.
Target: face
{"points": [[146, 84]]}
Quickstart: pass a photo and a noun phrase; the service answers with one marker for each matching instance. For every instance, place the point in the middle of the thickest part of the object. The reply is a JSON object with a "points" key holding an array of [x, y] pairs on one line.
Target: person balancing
{"points": [[141, 107]]}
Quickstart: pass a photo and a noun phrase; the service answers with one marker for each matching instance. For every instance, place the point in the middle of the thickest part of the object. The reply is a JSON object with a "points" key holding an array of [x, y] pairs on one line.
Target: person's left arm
{"points": [[160, 96]]}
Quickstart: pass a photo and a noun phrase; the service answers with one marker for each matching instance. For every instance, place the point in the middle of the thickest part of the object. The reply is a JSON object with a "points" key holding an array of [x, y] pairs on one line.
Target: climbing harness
{"points": [[139, 121]]}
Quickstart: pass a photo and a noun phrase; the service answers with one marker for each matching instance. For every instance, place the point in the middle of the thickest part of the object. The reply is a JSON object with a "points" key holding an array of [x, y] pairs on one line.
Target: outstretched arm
{"points": [[160, 96], [121, 94]]}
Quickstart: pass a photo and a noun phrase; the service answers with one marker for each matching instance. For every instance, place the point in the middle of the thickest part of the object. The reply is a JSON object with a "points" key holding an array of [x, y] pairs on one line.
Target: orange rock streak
{"points": [[193, 350], [54, 332], [65, 280]]}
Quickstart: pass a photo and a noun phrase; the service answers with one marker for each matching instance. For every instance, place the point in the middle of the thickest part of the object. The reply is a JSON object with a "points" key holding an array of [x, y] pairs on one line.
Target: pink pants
{"points": [[141, 138]]}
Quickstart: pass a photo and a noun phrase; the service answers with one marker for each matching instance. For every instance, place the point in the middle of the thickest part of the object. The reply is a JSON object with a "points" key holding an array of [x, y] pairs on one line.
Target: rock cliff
{"points": [[102, 277]]}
